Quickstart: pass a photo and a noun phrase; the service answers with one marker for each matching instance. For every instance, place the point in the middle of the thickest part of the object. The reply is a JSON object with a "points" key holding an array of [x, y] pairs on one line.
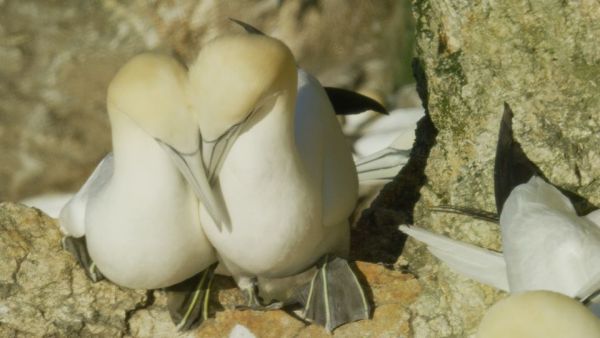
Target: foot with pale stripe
{"points": [[334, 296]]}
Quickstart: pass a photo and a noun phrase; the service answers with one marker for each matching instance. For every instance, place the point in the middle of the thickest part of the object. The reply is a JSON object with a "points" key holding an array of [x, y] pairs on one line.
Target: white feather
{"points": [[383, 143], [482, 265], [546, 245], [50, 203], [72, 216]]}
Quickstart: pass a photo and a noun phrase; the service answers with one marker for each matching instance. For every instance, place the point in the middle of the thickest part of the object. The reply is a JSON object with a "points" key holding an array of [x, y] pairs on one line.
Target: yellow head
{"points": [[151, 90], [233, 75]]}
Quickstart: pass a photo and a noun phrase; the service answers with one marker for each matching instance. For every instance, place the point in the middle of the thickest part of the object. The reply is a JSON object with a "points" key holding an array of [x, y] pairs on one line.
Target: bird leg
{"points": [[78, 248], [334, 296], [188, 301], [253, 301]]}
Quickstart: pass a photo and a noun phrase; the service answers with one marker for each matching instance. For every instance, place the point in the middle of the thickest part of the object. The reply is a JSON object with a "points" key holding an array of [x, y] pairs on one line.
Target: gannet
{"points": [[538, 314], [139, 216], [280, 166], [381, 157], [546, 245]]}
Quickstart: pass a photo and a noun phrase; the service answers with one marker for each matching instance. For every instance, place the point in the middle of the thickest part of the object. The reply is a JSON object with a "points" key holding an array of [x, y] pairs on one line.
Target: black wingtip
{"points": [[347, 102], [512, 167], [247, 27]]}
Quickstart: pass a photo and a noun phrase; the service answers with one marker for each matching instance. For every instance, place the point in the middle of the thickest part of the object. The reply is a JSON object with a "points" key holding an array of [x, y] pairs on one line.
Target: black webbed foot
{"points": [[334, 296], [78, 248], [188, 301]]}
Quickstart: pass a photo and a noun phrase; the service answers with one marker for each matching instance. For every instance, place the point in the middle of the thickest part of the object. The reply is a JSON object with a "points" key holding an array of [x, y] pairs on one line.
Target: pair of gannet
{"points": [[546, 245], [245, 156]]}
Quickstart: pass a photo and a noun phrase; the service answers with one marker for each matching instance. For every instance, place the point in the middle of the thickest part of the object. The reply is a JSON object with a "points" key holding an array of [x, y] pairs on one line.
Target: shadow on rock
{"points": [[376, 237]]}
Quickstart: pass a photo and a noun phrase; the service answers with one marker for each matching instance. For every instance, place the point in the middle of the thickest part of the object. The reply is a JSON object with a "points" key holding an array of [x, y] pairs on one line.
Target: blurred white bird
{"points": [[138, 214], [546, 245], [538, 314], [279, 163]]}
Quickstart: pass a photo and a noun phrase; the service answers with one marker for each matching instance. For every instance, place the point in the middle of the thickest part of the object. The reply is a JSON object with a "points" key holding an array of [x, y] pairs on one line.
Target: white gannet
{"points": [[538, 314], [546, 245], [139, 216], [280, 165], [382, 146]]}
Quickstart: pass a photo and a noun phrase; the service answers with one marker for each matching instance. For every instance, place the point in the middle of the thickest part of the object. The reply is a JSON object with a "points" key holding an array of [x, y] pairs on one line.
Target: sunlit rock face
{"points": [[541, 59], [43, 292], [57, 57]]}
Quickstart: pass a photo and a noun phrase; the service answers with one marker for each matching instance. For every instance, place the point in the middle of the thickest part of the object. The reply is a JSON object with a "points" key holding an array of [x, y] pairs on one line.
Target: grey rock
{"points": [[542, 59], [43, 292]]}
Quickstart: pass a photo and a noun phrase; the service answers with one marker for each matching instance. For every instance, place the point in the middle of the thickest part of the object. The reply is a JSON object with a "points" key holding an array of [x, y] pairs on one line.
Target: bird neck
{"points": [[135, 151], [270, 136]]}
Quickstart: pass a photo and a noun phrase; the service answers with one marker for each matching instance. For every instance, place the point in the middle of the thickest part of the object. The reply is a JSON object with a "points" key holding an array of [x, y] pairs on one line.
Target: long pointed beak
{"points": [[192, 168], [214, 152]]}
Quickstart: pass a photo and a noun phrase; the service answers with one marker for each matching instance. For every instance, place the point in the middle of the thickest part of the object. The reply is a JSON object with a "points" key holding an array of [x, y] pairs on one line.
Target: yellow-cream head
{"points": [[233, 75], [151, 90]]}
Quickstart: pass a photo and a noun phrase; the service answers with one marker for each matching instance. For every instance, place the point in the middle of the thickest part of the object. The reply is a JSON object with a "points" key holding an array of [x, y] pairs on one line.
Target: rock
{"points": [[58, 57], [471, 58], [43, 292]]}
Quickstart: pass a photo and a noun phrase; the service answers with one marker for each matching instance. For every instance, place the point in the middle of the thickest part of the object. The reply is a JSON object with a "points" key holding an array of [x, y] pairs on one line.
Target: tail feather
{"points": [[384, 165], [485, 266]]}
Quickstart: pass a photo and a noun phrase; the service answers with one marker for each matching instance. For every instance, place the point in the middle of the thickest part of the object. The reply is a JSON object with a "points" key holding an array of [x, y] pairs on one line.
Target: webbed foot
{"points": [[334, 296], [78, 248], [188, 301]]}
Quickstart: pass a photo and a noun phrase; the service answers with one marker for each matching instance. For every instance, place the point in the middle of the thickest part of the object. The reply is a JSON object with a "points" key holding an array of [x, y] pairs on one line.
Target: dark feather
{"points": [[347, 102], [249, 28]]}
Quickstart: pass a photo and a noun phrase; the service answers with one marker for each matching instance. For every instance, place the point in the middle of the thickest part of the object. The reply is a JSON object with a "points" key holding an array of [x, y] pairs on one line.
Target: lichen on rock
{"points": [[43, 292], [542, 59]]}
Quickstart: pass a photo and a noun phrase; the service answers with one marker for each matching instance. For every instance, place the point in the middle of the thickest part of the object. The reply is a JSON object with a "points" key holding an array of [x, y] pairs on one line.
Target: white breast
{"points": [[142, 228]]}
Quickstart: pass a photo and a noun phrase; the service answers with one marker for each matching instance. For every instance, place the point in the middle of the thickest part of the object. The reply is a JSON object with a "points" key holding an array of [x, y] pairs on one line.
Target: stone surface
{"points": [[542, 59], [42, 290], [57, 57]]}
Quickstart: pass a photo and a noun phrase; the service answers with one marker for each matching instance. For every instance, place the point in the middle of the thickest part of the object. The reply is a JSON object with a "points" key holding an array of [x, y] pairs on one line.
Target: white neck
{"points": [[266, 152], [138, 157]]}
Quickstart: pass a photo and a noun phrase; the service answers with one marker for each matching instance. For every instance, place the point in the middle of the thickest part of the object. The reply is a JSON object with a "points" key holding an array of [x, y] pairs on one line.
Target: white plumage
{"points": [[546, 246], [288, 180], [137, 213]]}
